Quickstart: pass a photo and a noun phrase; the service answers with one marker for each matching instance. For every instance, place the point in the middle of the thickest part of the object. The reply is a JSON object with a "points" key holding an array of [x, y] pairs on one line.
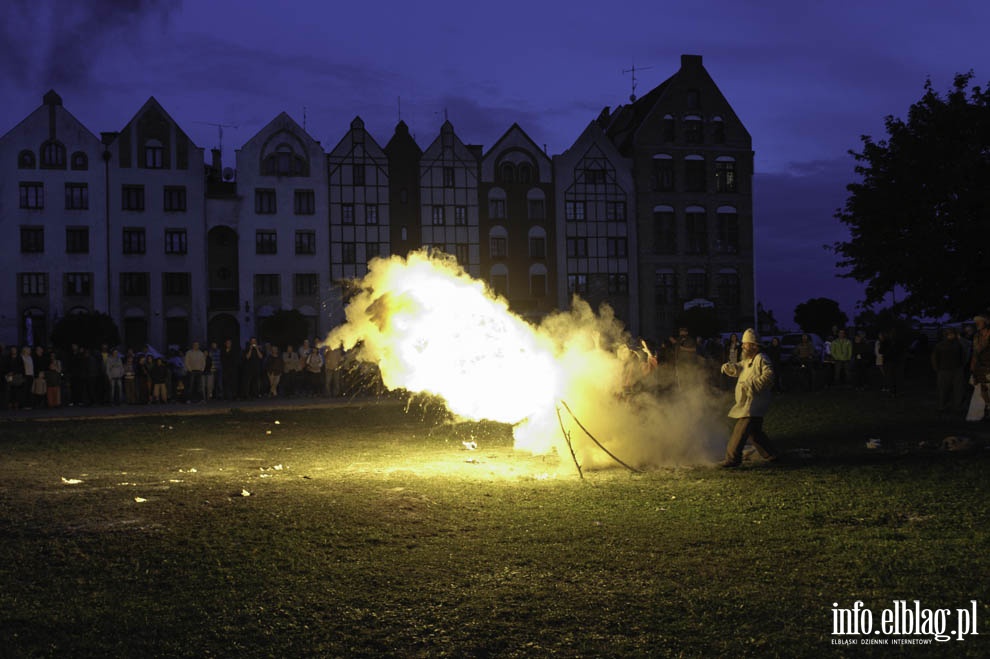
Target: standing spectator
{"points": [[274, 367], [293, 369], [949, 360], [332, 363], [775, 352], [53, 381], [253, 358], [26, 370], [230, 369], [130, 381], [753, 397], [314, 372], [159, 381], [115, 374], [8, 367], [807, 361], [979, 366], [863, 359], [195, 363], [142, 379], [95, 376], [842, 356], [892, 355], [214, 374]]}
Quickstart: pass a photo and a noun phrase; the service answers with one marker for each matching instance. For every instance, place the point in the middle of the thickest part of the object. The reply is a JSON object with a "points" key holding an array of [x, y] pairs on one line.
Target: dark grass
{"points": [[381, 535]]}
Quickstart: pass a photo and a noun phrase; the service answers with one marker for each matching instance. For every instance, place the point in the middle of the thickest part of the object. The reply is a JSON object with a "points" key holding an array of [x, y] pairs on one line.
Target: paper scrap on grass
{"points": [[71, 481]]}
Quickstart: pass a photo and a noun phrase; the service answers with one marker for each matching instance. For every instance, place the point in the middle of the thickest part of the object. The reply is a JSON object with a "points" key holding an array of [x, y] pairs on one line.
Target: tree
{"points": [[88, 330], [285, 327], [819, 315], [919, 220]]}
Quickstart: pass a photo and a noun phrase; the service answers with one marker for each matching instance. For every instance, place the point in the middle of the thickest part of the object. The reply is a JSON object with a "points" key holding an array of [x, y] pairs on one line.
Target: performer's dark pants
{"points": [[749, 428]]}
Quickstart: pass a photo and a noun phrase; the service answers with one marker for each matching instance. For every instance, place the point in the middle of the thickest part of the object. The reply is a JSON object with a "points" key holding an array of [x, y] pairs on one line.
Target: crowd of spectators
{"points": [[44, 377]]}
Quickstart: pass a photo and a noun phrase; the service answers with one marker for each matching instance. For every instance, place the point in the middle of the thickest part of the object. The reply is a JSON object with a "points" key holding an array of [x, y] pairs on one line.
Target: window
{"points": [[267, 285], [697, 232], [574, 211], [154, 155], [615, 211], [618, 283], [76, 196], [668, 128], [438, 215], [448, 177], [306, 284], [80, 161], [357, 174], [508, 172], [693, 131], [577, 248], [265, 242], [175, 241], [663, 172], [78, 284], [304, 202], [694, 175], [134, 284], [284, 162], [499, 247], [462, 253], [538, 284], [32, 195], [305, 242], [132, 197], [537, 209], [496, 208], [718, 131], [500, 284], [538, 247], [577, 284], [371, 214], [728, 233], [348, 253], [175, 198], [371, 250], [616, 248], [664, 232], [264, 201], [693, 98], [525, 173], [594, 176], [728, 289], [697, 284], [134, 240], [52, 155], [34, 284], [347, 214], [664, 288], [25, 160], [32, 240], [725, 176], [460, 216], [177, 283], [77, 240]]}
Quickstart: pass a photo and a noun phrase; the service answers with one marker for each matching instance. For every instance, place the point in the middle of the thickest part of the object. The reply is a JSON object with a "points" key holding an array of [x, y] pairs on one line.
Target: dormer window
{"points": [[52, 155], [154, 155]]}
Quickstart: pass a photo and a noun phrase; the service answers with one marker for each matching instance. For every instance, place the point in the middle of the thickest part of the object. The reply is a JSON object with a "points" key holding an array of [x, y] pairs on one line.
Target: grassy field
{"points": [[372, 531]]}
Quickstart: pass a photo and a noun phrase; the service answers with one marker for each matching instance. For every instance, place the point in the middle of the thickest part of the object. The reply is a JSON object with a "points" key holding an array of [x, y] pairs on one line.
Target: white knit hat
{"points": [[750, 336]]}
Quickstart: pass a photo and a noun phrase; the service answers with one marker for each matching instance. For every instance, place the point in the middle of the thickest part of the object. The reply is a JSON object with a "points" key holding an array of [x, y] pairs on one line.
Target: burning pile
{"points": [[431, 328]]}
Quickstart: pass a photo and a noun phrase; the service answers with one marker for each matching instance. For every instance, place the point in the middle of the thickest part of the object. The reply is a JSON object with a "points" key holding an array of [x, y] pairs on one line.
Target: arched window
{"points": [[25, 160], [538, 280], [537, 243], [507, 172], [80, 161], [52, 155], [499, 279], [536, 204], [525, 172], [284, 161], [496, 204], [498, 242]]}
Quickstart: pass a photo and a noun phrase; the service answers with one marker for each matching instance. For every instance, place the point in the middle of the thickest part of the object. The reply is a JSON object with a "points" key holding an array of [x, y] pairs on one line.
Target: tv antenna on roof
{"points": [[220, 128], [632, 96]]}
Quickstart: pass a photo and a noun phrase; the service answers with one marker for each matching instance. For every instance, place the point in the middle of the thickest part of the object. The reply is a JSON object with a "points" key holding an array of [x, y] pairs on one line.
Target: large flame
{"points": [[431, 328]]}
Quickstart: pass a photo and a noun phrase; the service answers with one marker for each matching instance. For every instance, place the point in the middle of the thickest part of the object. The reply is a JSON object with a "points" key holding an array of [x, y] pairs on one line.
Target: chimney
{"points": [[217, 163], [690, 61]]}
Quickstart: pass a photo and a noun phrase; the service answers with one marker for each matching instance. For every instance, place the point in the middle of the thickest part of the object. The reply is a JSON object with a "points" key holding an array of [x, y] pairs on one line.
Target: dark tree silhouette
{"points": [[920, 218], [285, 327], [819, 315], [89, 330]]}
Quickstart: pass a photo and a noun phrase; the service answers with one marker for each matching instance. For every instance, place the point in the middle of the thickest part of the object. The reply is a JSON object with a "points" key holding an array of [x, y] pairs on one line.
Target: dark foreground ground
{"points": [[370, 529]]}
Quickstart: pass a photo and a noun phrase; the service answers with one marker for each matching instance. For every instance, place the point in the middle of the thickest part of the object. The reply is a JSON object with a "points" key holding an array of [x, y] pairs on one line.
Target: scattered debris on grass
{"points": [[71, 481]]}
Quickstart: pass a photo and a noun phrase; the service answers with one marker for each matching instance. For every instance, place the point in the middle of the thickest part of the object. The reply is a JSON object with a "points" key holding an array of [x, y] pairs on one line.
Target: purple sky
{"points": [[806, 78]]}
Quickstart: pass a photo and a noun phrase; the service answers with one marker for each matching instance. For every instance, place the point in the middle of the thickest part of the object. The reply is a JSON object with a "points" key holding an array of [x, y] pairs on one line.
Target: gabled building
{"points": [[596, 231], [155, 184], [53, 223], [692, 159], [358, 176], [517, 223], [448, 188], [404, 200], [283, 230]]}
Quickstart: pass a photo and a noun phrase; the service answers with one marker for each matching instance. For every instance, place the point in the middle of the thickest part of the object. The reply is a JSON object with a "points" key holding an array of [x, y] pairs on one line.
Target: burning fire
{"points": [[431, 328]]}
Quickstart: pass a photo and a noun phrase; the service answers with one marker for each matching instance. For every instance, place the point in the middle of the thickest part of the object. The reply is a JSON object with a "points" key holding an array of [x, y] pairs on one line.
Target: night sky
{"points": [[806, 78]]}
